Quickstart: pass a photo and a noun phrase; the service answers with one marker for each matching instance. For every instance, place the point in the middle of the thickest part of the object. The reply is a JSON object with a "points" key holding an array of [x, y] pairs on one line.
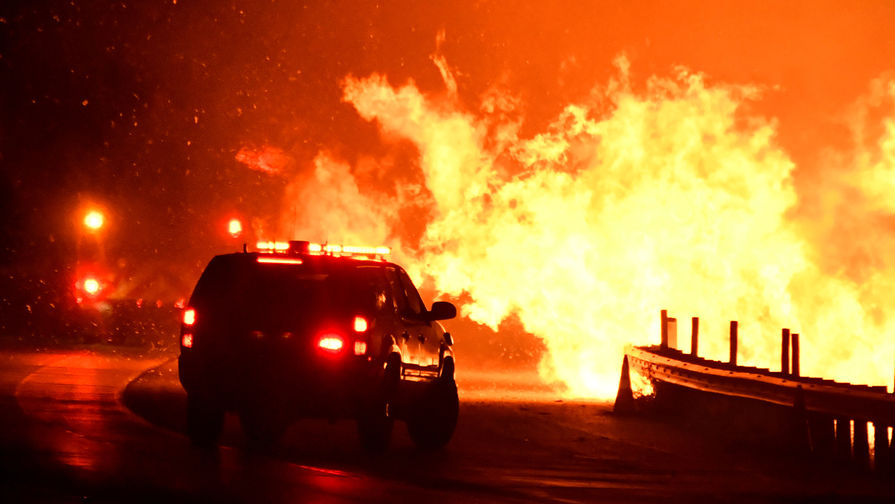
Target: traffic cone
{"points": [[624, 401]]}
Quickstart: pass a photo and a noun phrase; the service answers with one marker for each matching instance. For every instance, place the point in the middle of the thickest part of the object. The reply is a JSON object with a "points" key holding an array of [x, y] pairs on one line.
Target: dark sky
{"points": [[141, 106]]}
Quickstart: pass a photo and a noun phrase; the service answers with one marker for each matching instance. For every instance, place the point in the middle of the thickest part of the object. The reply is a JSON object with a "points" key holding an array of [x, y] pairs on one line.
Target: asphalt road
{"points": [[105, 425]]}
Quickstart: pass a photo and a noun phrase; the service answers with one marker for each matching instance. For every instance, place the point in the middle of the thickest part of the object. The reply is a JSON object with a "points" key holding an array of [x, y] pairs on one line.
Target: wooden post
{"points": [[881, 454], [694, 337], [671, 331], [784, 352], [733, 342], [862, 444], [843, 439], [795, 354], [664, 342]]}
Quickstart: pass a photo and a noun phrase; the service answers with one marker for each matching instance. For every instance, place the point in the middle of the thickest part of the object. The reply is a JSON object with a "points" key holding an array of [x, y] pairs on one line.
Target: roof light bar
{"points": [[273, 246]]}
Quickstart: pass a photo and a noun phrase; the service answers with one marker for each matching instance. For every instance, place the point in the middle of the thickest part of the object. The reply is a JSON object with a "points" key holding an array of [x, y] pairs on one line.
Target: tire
{"points": [[204, 420], [434, 418], [375, 421]]}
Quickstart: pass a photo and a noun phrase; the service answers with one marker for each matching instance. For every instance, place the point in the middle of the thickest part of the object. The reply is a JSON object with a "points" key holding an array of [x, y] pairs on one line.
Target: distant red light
{"points": [[187, 340], [360, 324], [189, 317], [234, 227], [360, 347], [91, 286]]}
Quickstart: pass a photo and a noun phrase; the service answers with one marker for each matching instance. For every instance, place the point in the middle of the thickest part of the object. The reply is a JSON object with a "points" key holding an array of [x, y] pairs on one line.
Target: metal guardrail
{"points": [[835, 414]]}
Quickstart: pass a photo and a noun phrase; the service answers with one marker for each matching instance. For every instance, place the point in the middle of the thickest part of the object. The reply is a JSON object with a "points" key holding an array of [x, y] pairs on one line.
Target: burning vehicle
{"points": [[299, 330]]}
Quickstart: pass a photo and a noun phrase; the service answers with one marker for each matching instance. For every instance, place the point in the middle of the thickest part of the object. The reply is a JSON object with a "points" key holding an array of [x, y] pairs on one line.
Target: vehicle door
{"points": [[418, 334]]}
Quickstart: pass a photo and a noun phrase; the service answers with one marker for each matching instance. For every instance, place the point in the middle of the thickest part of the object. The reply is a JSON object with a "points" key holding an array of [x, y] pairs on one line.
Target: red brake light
{"points": [[360, 347], [187, 340], [189, 317], [330, 342], [360, 324], [278, 260]]}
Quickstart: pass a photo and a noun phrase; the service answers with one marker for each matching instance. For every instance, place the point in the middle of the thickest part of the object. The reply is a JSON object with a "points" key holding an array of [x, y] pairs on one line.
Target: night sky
{"points": [[141, 107]]}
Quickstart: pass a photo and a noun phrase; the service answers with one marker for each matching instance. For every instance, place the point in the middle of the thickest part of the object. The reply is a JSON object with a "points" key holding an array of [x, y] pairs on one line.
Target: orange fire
{"points": [[267, 159], [629, 202]]}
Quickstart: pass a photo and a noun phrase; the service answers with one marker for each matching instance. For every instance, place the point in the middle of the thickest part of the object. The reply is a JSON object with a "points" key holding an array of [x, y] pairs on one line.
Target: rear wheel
{"points": [[204, 420], [375, 421], [432, 422]]}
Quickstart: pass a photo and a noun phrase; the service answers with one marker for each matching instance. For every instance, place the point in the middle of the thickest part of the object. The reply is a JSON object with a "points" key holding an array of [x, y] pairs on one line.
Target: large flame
{"points": [[631, 201]]}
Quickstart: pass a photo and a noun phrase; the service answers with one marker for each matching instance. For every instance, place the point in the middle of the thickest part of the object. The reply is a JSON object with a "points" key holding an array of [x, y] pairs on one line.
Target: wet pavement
{"points": [[90, 425]]}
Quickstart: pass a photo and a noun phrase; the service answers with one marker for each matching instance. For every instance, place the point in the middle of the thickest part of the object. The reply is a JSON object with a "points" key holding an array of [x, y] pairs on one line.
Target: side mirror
{"points": [[442, 310]]}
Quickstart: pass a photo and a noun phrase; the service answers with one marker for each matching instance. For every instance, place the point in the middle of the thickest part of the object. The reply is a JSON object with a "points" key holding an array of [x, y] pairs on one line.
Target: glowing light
{"points": [[94, 220], [315, 248], [278, 260], [360, 324], [91, 286], [332, 343], [189, 317], [360, 347], [187, 340], [366, 250], [272, 245], [234, 227]]}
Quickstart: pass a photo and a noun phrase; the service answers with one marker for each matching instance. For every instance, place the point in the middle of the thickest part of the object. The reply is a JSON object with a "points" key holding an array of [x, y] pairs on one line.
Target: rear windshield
{"points": [[239, 286]]}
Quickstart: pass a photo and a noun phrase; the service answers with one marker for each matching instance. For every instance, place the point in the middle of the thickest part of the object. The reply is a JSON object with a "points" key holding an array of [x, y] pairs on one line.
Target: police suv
{"points": [[300, 329]]}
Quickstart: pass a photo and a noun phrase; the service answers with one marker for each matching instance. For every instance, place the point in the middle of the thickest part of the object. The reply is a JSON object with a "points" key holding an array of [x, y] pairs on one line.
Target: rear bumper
{"points": [[305, 389]]}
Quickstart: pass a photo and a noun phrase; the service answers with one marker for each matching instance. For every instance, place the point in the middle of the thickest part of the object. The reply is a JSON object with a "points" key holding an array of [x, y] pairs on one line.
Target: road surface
{"points": [[105, 425]]}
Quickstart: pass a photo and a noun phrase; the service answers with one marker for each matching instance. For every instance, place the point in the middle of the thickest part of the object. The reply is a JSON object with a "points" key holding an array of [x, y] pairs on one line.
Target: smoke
{"points": [[630, 201]]}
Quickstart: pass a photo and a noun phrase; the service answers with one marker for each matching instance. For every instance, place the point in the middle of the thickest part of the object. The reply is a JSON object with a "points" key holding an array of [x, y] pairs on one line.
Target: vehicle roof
{"points": [[318, 260]]}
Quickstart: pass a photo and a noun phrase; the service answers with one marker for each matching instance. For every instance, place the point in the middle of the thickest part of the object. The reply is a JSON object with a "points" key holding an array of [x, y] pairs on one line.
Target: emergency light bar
{"points": [[273, 246], [302, 247]]}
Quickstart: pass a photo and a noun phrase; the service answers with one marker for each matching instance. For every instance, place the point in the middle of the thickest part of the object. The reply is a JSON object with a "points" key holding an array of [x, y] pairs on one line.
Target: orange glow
{"points": [[91, 286], [234, 227], [360, 347], [187, 340], [668, 191], [278, 260], [189, 317], [331, 342], [315, 248], [360, 324], [267, 159], [94, 220]]}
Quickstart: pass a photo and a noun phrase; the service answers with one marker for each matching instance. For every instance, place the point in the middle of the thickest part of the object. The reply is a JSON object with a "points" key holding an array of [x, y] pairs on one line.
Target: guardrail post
{"points": [[882, 455], [664, 341], [733, 342], [694, 336], [795, 354], [784, 352], [823, 434], [862, 444], [843, 439]]}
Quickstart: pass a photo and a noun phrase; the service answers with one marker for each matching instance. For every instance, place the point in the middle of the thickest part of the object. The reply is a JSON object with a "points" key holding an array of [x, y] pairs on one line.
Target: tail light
{"points": [[189, 320], [189, 317], [330, 343], [360, 347], [360, 324]]}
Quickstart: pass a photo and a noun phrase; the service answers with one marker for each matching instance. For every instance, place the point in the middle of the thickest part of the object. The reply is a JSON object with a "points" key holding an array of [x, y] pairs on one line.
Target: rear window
{"points": [[238, 286]]}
